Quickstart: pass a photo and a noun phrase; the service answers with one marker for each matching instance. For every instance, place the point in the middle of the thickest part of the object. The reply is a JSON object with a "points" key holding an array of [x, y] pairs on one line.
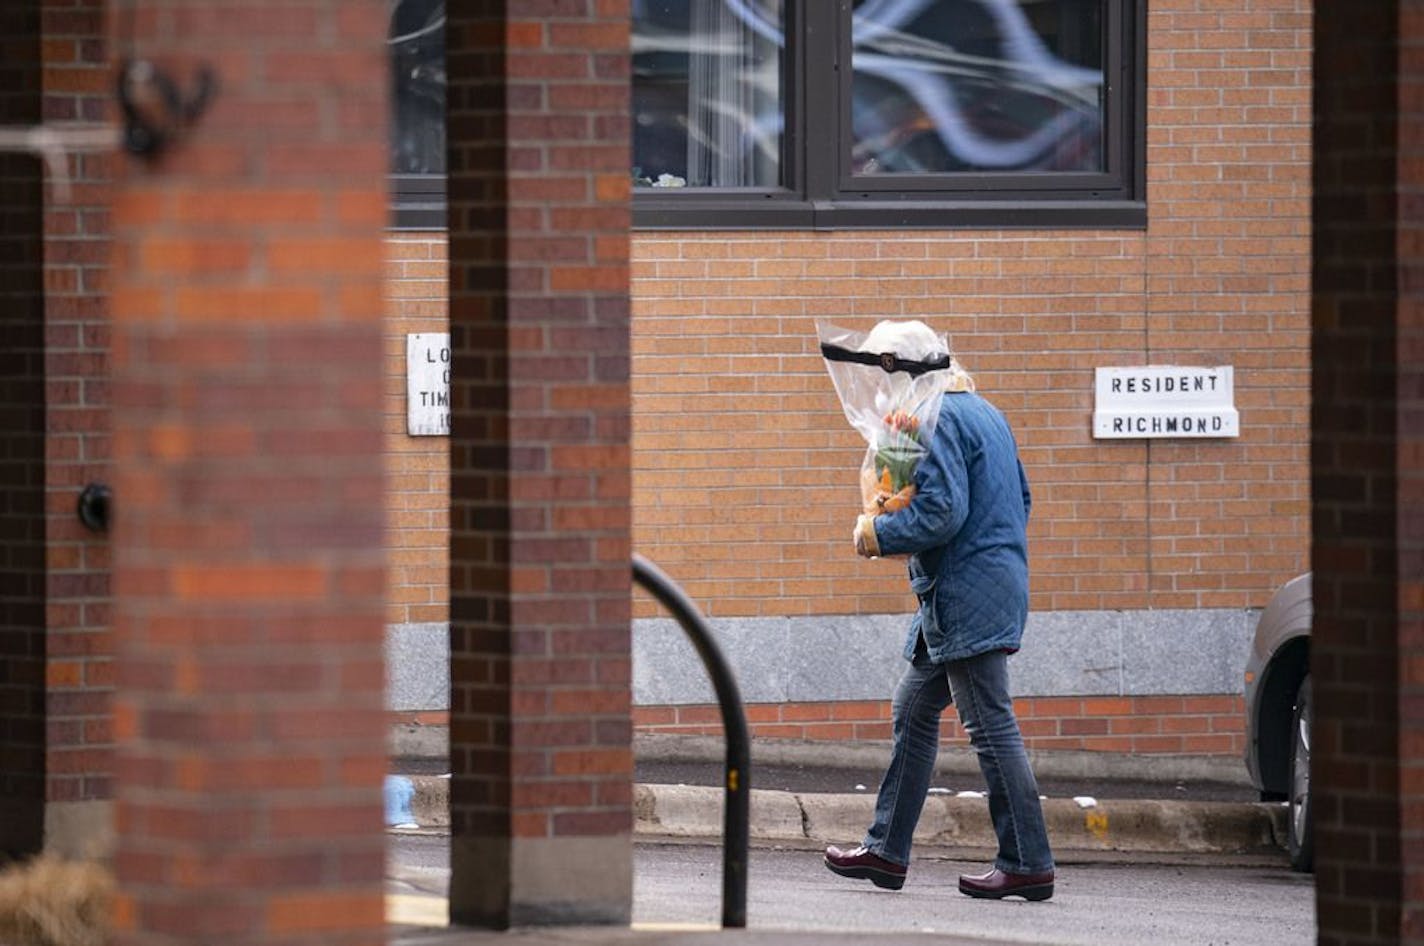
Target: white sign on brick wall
{"points": [[1165, 401], [427, 384]]}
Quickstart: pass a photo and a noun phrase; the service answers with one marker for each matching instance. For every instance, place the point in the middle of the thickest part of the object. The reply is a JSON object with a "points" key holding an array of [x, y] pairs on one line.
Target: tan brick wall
{"points": [[744, 468], [417, 468]]}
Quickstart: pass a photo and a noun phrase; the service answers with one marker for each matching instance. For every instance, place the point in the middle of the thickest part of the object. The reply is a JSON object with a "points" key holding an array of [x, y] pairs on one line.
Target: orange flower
{"points": [[898, 501]]}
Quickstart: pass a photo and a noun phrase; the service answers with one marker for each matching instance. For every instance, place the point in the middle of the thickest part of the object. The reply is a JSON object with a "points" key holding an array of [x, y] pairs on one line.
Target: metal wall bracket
{"points": [[156, 111]]}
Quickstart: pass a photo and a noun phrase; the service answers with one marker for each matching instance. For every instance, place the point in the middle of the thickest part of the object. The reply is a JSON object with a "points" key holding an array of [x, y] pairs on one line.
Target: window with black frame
{"points": [[951, 113], [708, 104], [416, 40]]}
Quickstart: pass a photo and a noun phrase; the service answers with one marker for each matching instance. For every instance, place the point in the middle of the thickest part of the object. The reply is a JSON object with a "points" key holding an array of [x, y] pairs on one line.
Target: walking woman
{"points": [[964, 534]]}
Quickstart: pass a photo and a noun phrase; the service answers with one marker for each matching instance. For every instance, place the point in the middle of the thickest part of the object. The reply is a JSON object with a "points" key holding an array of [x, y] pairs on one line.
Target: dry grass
{"points": [[52, 902]]}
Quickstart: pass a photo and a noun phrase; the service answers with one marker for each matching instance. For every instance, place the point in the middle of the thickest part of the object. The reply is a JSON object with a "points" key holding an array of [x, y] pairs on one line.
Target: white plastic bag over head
{"points": [[890, 381]]}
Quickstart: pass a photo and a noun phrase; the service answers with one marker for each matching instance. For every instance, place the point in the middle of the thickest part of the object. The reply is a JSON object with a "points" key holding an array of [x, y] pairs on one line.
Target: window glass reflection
{"points": [[417, 47], [945, 86], [707, 93]]}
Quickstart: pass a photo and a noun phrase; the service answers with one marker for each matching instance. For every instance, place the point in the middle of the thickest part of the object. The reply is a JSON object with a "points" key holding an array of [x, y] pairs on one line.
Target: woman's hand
{"points": [[866, 543]]}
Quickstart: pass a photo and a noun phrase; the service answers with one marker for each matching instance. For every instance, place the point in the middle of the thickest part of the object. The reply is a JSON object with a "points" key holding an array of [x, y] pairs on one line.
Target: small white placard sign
{"points": [[427, 384], [1165, 401]]}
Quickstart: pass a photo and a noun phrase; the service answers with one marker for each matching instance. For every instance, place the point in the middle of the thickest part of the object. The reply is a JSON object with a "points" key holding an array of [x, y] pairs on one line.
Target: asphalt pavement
{"points": [[794, 901], [1151, 849]]}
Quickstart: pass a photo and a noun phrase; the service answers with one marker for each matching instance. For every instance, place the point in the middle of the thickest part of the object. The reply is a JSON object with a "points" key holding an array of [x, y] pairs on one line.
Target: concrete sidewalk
{"points": [[1077, 827], [1083, 826]]}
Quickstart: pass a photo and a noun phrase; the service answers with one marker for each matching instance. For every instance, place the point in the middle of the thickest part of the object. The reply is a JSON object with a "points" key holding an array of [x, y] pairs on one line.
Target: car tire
{"points": [[1300, 823]]}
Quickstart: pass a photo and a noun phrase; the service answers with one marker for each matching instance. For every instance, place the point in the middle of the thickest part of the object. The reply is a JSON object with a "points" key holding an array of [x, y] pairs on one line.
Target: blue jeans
{"points": [[980, 688]]}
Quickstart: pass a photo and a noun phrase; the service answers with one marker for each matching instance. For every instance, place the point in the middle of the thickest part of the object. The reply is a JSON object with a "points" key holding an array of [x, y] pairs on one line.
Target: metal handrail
{"points": [[737, 784]]}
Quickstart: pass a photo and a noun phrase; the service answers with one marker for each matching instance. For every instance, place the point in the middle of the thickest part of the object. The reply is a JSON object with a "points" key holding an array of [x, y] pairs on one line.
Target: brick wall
{"points": [[1143, 725], [417, 468], [1409, 514], [744, 467], [248, 421], [734, 412], [78, 83], [60, 346], [1364, 660], [736, 425], [541, 794]]}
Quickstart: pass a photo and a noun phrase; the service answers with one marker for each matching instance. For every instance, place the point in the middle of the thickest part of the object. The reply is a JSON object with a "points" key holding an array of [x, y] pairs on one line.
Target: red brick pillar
{"points": [[22, 446], [1368, 644], [55, 651], [78, 91], [248, 559], [1409, 511], [539, 576]]}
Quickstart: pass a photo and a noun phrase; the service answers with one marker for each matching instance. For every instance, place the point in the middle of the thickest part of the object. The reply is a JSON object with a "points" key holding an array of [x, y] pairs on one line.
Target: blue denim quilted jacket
{"points": [[965, 533]]}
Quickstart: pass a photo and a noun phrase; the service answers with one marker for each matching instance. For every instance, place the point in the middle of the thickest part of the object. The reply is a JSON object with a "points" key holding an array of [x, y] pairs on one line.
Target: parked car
{"points": [[1279, 713]]}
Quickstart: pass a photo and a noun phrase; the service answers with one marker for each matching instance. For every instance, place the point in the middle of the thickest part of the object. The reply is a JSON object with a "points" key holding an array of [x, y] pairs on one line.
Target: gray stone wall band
{"points": [[418, 666], [812, 659]]}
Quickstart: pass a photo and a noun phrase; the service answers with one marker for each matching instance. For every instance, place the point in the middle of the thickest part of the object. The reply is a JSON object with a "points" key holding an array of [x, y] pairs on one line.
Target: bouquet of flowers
{"points": [[890, 381], [893, 465]]}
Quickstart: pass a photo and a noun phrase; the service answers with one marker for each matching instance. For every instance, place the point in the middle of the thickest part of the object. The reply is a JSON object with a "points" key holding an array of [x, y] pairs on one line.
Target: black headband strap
{"points": [[888, 361]]}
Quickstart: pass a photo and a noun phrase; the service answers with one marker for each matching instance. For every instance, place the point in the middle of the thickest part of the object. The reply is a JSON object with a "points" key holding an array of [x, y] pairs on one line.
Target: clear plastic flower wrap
{"points": [[890, 381]]}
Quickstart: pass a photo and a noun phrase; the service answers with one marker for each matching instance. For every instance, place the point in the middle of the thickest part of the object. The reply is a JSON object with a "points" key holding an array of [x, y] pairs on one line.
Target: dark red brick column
{"points": [[1368, 650], [248, 559], [539, 584], [78, 90], [1409, 515], [22, 446]]}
